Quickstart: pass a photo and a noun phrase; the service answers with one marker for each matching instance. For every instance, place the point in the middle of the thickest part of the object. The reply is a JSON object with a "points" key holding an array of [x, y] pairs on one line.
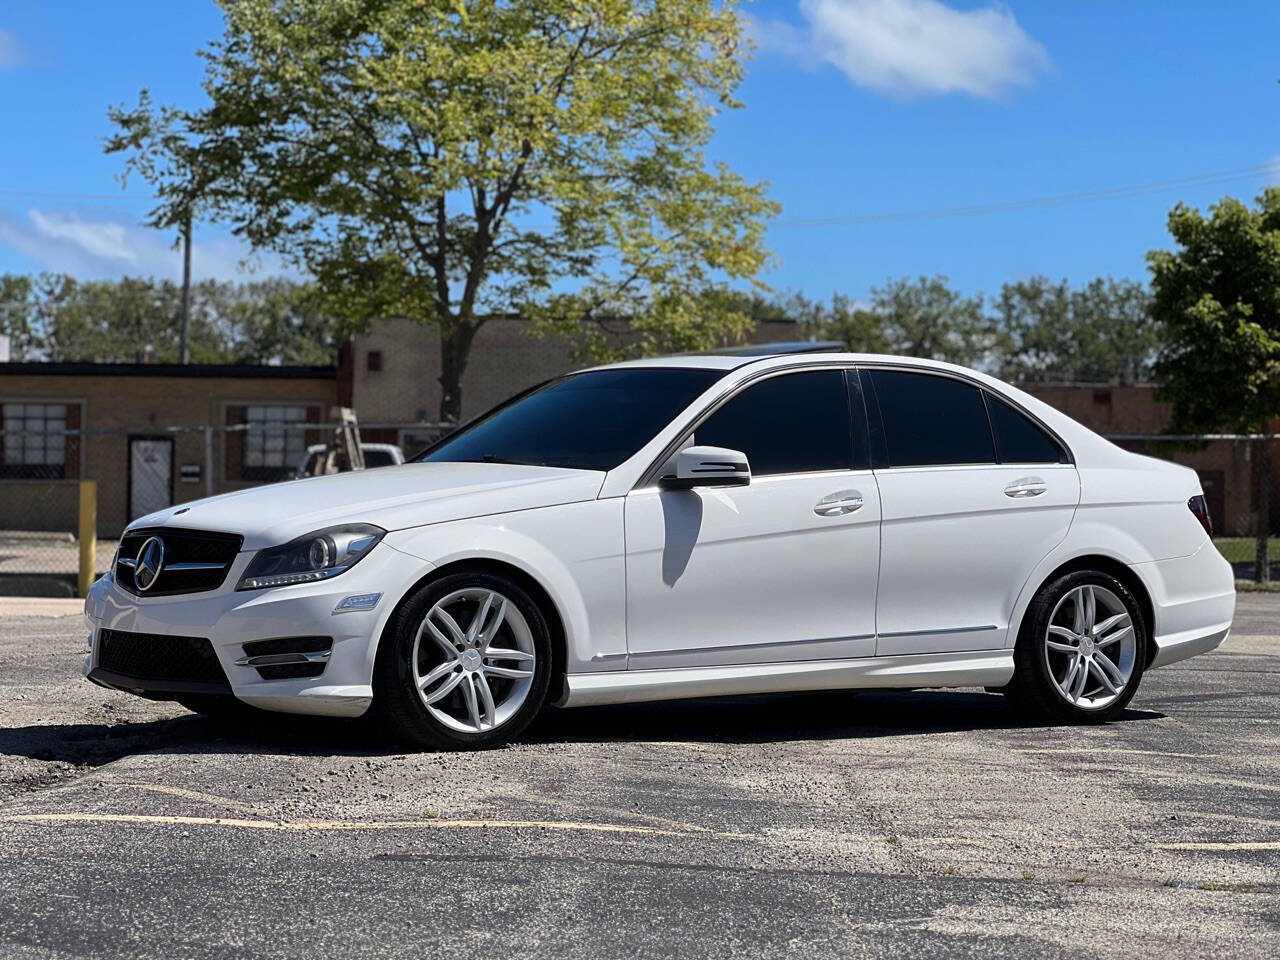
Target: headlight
{"points": [[317, 556]]}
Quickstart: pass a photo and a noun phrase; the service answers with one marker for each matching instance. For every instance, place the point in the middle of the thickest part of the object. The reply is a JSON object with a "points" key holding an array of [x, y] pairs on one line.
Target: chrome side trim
{"points": [[982, 669], [274, 659], [785, 644], [938, 633]]}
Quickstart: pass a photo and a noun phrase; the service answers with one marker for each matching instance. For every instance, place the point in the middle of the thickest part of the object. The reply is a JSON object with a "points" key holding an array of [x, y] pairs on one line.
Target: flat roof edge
{"points": [[242, 371]]}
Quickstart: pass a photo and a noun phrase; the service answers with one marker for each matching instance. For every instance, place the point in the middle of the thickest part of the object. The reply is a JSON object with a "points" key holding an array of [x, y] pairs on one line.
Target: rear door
{"points": [[974, 494]]}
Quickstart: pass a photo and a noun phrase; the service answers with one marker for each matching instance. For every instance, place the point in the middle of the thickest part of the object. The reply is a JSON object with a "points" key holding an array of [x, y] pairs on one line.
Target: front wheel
{"points": [[1081, 652], [466, 663]]}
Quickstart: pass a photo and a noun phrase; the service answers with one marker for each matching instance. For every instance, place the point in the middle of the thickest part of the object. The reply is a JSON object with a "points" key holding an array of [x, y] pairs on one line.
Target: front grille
{"points": [[180, 547], [154, 657]]}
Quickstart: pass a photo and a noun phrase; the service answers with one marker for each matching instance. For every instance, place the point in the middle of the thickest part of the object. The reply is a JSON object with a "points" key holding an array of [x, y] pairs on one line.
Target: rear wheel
{"points": [[1081, 652], [466, 663]]}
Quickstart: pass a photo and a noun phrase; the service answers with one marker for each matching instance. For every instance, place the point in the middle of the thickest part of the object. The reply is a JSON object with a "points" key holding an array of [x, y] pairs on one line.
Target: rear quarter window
{"points": [[1018, 438]]}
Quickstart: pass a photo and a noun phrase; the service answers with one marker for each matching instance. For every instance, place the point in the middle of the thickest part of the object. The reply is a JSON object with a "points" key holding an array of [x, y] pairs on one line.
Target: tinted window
{"points": [[591, 421], [932, 420], [794, 423], [1018, 440], [378, 458]]}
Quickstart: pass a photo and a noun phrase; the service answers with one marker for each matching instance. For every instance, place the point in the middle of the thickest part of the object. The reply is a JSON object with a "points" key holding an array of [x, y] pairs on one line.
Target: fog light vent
{"points": [[287, 658]]}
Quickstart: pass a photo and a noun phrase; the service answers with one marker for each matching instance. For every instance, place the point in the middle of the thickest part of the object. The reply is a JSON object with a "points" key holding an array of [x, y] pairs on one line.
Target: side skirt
{"points": [[992, 668]]}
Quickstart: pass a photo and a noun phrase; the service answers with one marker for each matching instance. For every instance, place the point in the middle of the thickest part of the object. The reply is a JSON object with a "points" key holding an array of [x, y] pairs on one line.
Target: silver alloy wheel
{"points": [[473, 679], [1090, 647]]}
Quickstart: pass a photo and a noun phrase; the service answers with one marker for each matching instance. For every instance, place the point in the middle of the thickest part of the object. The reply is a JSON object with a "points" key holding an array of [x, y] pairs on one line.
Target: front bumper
{"points": [[229, 619]]}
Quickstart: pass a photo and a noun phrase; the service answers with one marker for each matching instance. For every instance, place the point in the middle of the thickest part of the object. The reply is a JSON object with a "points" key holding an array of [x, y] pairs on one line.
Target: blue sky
{"points": [[874, 121]]}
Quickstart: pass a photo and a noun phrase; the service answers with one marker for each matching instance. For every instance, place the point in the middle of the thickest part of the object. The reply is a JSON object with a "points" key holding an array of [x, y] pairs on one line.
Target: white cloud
{"points": [[90, 248], [10, 51], [910, 47], [778, 37], [105, 241]]}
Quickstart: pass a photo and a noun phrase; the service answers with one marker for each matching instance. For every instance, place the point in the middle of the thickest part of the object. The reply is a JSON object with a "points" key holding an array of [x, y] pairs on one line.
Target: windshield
{"points": [[588, 421]]}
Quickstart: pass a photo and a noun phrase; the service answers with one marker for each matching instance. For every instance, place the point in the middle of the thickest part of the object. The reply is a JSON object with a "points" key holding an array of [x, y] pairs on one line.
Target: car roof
{"points": [[821, 352]]}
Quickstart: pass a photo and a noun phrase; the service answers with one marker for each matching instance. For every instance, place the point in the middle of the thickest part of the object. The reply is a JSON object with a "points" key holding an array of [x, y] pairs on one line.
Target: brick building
{"points": [[1228, 469], [149, 434], [392, 373]]}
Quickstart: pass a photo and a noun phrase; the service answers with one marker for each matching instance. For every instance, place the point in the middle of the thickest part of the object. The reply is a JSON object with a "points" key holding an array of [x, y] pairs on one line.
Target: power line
{"points": [[1060, 199], [883, 216], [60, 195]]}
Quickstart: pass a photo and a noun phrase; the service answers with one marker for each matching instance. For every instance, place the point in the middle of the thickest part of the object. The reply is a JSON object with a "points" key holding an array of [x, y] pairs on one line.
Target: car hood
{"points": [[394, 498]]}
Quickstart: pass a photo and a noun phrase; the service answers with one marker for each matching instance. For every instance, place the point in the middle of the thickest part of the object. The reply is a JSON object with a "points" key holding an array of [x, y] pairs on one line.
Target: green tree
{"points": [[278, 321], [447, 160], [58, 318], [1101, 332], [842, 318], [1217, 297], [926, 318], [18, 314]]}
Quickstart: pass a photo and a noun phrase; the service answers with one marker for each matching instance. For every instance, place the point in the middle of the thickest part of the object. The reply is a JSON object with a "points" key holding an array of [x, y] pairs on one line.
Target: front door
{"points": [[782, 569], [975, 495], [150, 475]]}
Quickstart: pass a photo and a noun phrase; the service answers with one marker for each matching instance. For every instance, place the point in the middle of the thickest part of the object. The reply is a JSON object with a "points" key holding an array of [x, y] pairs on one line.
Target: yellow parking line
{"points": [[1107, 751], [188, 795], [321, 825], [1244, 845]]}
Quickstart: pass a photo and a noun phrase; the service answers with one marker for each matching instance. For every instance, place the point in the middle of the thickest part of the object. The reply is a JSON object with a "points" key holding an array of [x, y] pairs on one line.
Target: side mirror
{"points": [[708, 467]]}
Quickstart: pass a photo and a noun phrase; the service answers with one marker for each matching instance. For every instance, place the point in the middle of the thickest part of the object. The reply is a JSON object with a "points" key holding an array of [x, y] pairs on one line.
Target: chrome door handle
{"points": [[839, 503], [1025, 487]]}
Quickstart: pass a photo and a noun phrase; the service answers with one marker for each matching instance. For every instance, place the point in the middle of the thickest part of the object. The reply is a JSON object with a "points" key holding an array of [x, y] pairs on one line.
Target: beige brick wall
{"points": [[1227, 468], [505, 359], [142, 406]]}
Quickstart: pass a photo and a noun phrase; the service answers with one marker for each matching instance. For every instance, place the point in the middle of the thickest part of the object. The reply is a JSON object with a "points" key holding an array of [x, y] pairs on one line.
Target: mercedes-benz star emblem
{"points": [[146, 570]]}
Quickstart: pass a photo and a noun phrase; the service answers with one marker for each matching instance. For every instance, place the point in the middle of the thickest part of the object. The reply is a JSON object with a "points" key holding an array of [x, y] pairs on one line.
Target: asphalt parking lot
{"points": [[861, 824]]}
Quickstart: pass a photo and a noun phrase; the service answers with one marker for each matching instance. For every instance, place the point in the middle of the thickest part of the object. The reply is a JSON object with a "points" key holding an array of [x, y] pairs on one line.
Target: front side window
{"points": [[1018, 440], [931, 420], [793, 423], [274, 441], [587, 421], [35, 440]]}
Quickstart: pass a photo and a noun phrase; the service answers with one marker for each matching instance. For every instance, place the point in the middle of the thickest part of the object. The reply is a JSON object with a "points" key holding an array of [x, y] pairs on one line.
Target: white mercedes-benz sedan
{"points": [[682, 527]]}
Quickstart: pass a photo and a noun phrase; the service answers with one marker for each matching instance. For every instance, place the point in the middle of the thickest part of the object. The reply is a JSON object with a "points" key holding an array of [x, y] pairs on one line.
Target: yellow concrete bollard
{"points": [[88, 533]]}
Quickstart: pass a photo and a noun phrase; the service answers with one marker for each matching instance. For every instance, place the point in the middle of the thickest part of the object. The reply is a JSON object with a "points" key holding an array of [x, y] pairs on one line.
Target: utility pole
{"points": [[184, 350]]}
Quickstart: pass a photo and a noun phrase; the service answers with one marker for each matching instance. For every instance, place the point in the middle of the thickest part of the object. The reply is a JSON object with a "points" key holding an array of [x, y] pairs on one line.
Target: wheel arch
{"points": [[1103, 564], [527, 581]]}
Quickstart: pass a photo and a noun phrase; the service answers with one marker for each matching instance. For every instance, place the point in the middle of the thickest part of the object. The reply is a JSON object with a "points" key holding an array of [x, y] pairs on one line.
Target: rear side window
{"points": [[931, 420], [1018, 440], [793, 423]]}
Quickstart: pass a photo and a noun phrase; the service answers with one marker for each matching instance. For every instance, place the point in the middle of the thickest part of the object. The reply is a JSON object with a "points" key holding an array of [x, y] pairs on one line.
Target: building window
{"points": [[275, 443], [36, 443], [374, 360]]}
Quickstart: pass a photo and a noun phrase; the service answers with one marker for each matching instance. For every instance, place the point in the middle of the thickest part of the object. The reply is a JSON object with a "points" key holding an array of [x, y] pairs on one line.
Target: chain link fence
{"points": [[138, 471], [135, 471]]}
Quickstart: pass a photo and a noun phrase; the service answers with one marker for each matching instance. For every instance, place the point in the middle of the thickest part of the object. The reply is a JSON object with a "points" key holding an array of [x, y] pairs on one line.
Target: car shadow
{"points": [[840, 715]]}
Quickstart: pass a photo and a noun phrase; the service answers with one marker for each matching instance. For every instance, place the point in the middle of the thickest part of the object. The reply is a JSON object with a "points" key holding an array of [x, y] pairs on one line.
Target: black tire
{"points": [[396, 700], [1033, 692]]}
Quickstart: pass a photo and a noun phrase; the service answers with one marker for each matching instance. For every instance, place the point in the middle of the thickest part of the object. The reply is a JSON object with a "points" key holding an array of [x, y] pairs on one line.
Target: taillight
{"points": [[1200, 507]]}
